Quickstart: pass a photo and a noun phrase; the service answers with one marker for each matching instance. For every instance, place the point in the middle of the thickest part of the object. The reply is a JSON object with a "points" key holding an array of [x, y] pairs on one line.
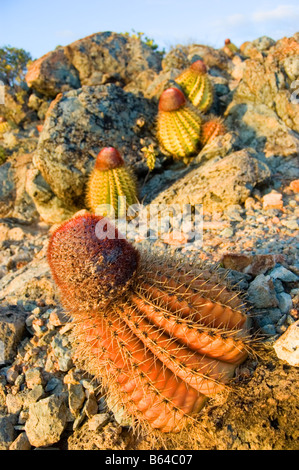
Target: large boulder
{"points": [[104, 57], [218, 183], [269, 81], [52, 73], [80, 123]]}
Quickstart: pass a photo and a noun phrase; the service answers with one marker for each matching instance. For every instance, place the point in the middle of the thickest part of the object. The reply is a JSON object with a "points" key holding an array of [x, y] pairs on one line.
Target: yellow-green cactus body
{"points": [[111, 187], [178, 125], [197, 86]]}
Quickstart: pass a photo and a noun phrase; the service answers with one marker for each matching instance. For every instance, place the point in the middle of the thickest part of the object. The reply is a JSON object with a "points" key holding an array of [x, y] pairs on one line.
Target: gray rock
{"points": [[285, 275], [7, 189], [46, 422], [261, 292], [275, 315], [7, 432], [285, 302], [12, 328], [76, 397], [62, 351], [263, 43], [268, 330]]}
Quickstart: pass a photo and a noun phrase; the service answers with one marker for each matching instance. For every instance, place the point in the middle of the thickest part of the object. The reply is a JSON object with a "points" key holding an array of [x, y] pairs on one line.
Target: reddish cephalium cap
{"points": [[90, 261], [171, 99], [199, 66], [109, 158]]}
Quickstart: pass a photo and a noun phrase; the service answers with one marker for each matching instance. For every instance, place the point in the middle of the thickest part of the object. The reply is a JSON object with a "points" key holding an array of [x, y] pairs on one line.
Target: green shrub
{"points": [[13, 64]]}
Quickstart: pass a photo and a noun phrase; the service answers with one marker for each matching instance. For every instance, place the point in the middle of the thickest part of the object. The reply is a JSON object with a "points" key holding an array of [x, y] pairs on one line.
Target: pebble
{"points": [[21, 442], [76, 398], [287, 345], [261, 292], [273, 200], [33, 377], [280, 272], [291, 224], [46, 422], [285, 302], [98, 421], [7, 431], [227, 232]]}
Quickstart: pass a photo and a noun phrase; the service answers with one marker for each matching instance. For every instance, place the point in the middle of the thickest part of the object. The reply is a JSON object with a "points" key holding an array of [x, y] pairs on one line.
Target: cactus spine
{"points": [[111, 188], [178, 125], [161, 338], [197, 86]]}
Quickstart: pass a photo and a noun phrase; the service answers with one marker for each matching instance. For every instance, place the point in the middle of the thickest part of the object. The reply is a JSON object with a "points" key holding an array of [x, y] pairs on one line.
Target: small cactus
{"points": [[109, 183], [197, 86], [178, 125], [211, 129], [4, 126], [229, 47], [161, 337]]}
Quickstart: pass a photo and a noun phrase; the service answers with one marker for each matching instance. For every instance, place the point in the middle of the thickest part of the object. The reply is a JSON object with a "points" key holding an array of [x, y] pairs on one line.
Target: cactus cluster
{"points": [[161, 338], [182, 128], [211, 129], [197, 86], [111, 187]]}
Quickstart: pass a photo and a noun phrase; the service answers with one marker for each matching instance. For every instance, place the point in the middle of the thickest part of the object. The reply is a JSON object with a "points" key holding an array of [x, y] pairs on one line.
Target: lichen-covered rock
{"points": [[82, 122], [218, 183], [52, 73], [268, 81], [259, 127], [100, 58]]}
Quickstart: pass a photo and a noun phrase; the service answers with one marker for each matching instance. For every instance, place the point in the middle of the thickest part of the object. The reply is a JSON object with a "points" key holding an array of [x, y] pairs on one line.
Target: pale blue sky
{"points": [[39, 27]]}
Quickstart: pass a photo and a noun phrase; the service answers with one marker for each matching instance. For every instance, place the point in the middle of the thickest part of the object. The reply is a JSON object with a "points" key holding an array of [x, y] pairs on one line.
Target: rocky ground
{"points": [[244, 187]]}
